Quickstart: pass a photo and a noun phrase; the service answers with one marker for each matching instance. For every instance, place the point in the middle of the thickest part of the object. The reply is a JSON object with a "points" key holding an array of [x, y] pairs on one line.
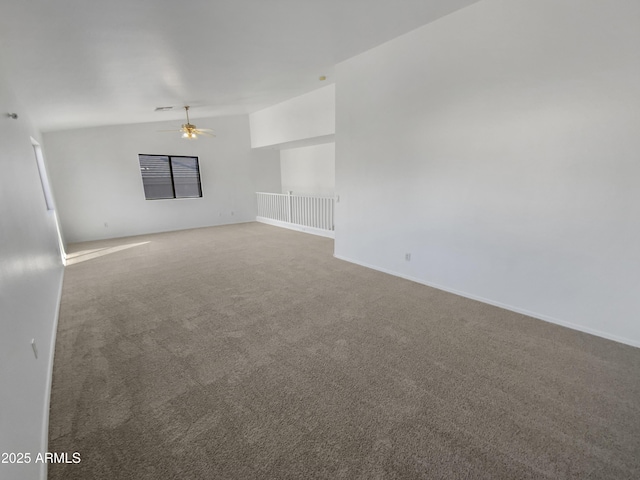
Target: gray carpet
{"points": [[249, 352]]}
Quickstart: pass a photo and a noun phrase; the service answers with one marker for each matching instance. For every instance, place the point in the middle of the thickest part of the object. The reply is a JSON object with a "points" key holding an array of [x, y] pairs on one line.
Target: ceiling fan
{"points": [[189, 130]]}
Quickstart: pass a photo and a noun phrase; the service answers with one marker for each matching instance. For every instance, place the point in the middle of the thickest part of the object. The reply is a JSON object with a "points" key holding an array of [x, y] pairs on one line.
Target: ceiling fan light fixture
{"points": [[190, 131]]}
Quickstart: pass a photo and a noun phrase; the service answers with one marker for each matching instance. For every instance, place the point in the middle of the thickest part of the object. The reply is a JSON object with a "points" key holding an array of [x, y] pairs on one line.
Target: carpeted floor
{"points": [[249, 352]]}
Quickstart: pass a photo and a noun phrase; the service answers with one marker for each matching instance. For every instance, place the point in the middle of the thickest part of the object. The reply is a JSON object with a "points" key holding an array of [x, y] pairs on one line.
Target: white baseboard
{"points": [[539, 316], [299, 228], [47, 399]]}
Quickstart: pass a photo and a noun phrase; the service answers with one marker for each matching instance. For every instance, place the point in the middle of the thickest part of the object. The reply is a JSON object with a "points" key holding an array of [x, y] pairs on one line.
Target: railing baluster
{"points": [[325, 209], [315, 213], [324, 213], [328, 214], [283, 209], [333, 220], [324, 206]]}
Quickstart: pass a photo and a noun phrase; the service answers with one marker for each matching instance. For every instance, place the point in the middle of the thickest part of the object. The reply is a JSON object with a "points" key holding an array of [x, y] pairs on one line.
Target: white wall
{"points": [[305, 117], [30, 285], [500, 147], [309, 170], [96, 178]]}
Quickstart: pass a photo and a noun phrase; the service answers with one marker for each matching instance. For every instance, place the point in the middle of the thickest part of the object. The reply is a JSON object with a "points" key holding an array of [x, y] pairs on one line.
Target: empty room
{"points": [[354, 239]]}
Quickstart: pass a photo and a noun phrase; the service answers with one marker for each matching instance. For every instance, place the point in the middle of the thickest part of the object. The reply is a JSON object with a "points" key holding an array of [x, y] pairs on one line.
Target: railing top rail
{"points": [[294, 195]]}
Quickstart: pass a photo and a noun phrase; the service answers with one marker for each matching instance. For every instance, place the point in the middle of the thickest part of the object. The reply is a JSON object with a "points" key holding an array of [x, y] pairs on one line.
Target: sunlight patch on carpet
{"points": [[84, 255]]}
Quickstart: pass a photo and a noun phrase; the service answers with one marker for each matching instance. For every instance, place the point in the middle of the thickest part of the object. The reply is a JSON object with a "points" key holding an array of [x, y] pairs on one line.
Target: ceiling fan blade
{"points": [[206, 134], [176, 130]]}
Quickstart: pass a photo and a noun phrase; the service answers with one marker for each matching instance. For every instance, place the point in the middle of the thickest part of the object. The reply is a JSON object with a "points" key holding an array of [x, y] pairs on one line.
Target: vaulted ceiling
{"points": [[78, 63]]}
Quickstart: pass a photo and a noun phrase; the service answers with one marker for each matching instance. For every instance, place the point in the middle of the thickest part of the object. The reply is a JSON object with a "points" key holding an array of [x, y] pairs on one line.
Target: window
{"points": [[165, 176]]}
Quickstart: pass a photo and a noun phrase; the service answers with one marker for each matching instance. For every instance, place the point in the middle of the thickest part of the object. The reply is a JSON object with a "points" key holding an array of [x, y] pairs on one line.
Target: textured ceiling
{"points": [[78, 63]]}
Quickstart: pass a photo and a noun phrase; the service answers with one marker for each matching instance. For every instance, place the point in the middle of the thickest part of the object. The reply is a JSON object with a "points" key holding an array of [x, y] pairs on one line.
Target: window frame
{"points": [[173, 181]]}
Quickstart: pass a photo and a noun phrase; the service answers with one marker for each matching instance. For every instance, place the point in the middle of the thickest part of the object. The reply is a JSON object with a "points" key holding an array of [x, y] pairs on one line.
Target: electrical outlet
{"points": [[407, 257]]}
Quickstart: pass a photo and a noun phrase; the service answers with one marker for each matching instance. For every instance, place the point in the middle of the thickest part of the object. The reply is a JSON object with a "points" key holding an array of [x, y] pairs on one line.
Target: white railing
{"points": [[302, 212]]}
